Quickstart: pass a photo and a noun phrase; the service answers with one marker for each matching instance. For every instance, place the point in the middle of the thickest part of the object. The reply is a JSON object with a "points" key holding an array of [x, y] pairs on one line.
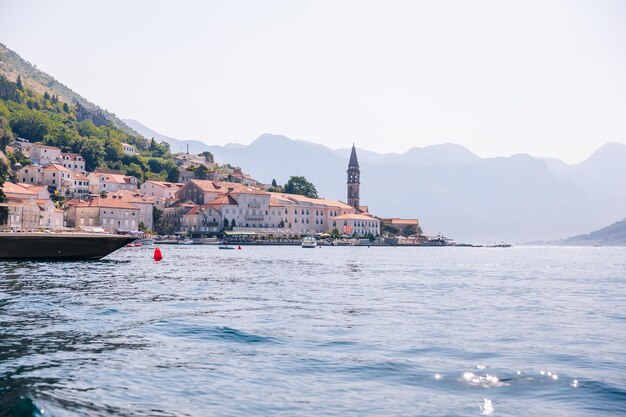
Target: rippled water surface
{"points": [[330, 331]]}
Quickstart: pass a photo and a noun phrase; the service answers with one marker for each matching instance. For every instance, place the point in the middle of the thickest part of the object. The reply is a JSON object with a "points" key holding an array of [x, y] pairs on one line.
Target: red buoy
{"points": [[239, 247], [157, 254]]}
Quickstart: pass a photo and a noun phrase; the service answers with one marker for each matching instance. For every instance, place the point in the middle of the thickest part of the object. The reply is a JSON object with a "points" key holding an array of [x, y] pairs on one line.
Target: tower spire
{"points": [[354, 180], [354, 162]]}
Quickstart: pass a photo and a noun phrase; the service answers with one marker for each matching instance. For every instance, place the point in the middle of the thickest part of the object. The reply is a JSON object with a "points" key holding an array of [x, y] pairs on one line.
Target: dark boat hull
{"points": [[59, 246]]}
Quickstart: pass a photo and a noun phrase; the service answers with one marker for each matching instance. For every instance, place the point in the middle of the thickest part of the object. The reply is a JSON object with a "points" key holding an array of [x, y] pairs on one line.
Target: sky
{"points": [[498, 77]]}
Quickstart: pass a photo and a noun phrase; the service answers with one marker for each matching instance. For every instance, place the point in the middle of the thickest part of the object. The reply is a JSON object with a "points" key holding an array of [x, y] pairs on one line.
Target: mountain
{"points": [[453, 191], [176, 145], [613, 235], [12, 65], [47, 118]]}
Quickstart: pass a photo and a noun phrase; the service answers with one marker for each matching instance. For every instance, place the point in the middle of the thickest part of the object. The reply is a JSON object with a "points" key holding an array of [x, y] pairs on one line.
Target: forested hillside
{"points": [[12, 65], [45, 118]]}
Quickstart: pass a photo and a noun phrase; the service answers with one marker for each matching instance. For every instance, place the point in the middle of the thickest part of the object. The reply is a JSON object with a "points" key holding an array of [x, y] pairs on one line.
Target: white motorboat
{"points": [[309, 242]]}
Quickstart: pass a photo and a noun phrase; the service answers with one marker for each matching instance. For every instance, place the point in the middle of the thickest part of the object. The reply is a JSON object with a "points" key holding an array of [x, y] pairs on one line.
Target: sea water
{"points": [[335, 331]]}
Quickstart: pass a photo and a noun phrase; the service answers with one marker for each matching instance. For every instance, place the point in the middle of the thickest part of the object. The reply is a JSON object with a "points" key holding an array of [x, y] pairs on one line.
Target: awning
{"points": [[233, 233]]}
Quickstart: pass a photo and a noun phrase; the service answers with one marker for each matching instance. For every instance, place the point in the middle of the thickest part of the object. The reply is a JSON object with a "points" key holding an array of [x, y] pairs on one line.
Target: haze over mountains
{"points": [[450, 189]]}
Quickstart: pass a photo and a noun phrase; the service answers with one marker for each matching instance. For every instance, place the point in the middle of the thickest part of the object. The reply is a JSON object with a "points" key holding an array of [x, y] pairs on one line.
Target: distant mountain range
{"points": [[613, 235], [450, 189]]}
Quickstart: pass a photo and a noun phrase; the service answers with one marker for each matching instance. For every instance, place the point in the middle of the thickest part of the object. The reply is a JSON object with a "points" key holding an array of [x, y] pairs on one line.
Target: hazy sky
{"points": [[499, 77]]}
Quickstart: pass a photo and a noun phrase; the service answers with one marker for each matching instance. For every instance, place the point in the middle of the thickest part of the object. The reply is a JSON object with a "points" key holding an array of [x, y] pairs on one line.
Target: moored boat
{"points": [[309, 242], [225, 246], [60, 246]]}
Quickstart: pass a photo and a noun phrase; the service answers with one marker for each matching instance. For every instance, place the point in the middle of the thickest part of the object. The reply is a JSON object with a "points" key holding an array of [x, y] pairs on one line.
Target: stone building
{"points": [[44, 154], [111, 214], [109, 182]]}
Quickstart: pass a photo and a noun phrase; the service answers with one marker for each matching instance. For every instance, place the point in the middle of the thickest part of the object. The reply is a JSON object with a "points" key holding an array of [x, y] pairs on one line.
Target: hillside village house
{"points": [[107, 182], [44, 154], [129, 149], [185, 176], [172, 216], [72, 161], [163, 192], [111, 214], [76, 186], [144, 203], [242, 178], [30, 208], [41, 191], [202, 219], [357, 224], [54, 175], [31, 174], [187, 159]]}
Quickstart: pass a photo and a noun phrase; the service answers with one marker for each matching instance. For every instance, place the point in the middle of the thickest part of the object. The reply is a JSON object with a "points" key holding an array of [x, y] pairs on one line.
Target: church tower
{"points": [[354, 180]]}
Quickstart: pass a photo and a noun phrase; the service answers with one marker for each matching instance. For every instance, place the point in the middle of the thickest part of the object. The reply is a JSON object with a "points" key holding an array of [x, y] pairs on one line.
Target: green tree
{"points": [[207, 155], [232, 223], [5, 132], [156, 215], [225, 224], [155, 165], [335, 233], [113, 150], [134, 170], [300, 185], [201, 172], [31, 124], [4, 212], [19, 84], [93, 151], [172, 175]]}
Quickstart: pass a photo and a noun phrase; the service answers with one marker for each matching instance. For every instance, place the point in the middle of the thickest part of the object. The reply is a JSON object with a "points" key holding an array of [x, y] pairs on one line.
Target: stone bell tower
{"points": [[354, 180]]}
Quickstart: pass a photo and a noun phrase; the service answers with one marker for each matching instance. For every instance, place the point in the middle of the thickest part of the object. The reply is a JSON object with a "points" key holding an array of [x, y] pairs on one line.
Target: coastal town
{"points": [[55, 192]]}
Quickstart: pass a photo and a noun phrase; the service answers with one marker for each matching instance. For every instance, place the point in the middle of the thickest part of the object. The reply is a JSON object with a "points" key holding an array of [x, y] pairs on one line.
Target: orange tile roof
{"points": [[115, 178], [401, 221], [56, 167], [224, 200], [10, 187], [106, 203], [166, 184], [354, 217], [79, 176], [132, 196], [72, 156], [45, 146], [302, 199], [35, 188]]}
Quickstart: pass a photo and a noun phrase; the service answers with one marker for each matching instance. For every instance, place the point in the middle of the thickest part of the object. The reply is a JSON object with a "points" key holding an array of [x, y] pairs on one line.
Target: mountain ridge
{"points": [[518, 198], [12, 65]]}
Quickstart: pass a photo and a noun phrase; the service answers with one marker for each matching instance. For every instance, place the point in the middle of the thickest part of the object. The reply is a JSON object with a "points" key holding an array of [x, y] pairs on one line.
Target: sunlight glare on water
{"points": [[334, 331]]}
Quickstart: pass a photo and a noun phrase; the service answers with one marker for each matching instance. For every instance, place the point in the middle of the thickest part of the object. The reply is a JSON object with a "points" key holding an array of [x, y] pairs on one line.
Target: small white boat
{"points": [[147, 242], [224, 246], [186, 242], [309, 242]]}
